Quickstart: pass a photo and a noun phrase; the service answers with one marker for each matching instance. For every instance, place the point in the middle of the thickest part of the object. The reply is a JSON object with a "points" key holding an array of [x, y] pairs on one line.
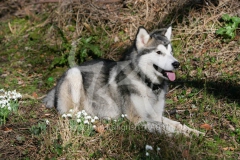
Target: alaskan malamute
{"points": [[135, 86]]}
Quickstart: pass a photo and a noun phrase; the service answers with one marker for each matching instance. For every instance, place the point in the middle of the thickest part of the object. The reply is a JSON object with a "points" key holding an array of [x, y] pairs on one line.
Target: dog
{"points": [[135, 86]]}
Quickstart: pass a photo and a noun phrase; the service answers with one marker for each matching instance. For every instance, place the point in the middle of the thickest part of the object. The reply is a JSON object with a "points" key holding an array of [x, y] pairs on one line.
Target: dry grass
{"points": [[111, 19]]}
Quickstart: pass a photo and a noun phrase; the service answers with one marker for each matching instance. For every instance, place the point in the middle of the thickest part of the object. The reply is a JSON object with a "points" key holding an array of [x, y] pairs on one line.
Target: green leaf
{"points": [[226, 17], [236, 20], [230, 32], [168, 101], [221, 31], [88, 40], [95, 50], [235, 25], [50, 79], [55, 61], [83, 54], [229, 28]]}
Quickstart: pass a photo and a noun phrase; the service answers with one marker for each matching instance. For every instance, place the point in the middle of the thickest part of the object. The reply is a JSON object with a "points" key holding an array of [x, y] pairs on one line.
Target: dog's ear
{"points": [[141, 38], [168, 33]]}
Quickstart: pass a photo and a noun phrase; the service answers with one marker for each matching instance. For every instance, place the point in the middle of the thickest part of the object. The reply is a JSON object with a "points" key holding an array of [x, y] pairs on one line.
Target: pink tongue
{"points": [[171, 76]]}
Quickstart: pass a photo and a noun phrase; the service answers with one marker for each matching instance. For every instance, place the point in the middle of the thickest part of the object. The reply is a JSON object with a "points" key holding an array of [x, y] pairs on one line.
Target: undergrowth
{"points": [[231, 24]]}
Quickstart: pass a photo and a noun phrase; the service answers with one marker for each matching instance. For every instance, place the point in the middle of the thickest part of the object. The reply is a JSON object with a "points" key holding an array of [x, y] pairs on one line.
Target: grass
{"points": [[205, 93]]}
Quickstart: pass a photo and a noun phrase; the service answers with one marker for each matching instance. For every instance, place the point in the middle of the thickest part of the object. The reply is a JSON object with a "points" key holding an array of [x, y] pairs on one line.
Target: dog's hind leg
{"points": [[49, 99], [69, 92]]}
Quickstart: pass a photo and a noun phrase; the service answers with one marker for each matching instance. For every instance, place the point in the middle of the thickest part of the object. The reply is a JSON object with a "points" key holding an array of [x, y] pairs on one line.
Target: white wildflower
{"points": [[19, 95], [148, 147], [47, 121], [27, 48], [96, 118], [78, 115], [84, 113], [92, 120], [108, 118], [71, 110], [88, 117], [147, 154], [123, 115], [64, 115], [78, 120], [79, 112], [7, 97], [69, 115], [158, 149], [86, 122]]}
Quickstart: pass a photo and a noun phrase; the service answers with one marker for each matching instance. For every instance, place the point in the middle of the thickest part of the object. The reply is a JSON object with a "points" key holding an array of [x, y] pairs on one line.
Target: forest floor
{"points": [[35, 41]]}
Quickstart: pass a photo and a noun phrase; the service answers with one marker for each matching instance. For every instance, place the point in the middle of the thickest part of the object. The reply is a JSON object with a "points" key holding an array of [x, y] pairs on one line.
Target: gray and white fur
{"points": [[135, 86]]}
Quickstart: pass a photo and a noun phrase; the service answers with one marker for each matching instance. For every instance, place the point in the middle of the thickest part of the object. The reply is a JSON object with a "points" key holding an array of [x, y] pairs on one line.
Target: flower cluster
{"points": [[81, 117], [6, 97], [47, 121], [124, 115], [150, 148]]}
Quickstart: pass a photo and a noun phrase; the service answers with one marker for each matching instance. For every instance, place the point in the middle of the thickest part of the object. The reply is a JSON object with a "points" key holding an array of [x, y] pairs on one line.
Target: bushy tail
{"points": [[48, 101]]}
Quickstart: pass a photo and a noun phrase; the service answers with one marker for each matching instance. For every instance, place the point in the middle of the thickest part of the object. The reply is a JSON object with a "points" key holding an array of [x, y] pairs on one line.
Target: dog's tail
{"points": [[48, 101]]}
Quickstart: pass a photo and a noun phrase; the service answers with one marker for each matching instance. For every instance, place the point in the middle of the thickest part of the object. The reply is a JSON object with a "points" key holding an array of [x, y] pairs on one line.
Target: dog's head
{"points": [[155, 54]]}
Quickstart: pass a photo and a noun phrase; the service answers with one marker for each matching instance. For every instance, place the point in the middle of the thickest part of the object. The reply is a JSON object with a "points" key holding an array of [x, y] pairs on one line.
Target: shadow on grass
{"points": [[221, 89], [183, 9]]}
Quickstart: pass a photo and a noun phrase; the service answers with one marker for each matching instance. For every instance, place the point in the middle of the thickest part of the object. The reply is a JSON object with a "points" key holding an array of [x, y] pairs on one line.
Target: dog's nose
{"points": [[176, 64]]}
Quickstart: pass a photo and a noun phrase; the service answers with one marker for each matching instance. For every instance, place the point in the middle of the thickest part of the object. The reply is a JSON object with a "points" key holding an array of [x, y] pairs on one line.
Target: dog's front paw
{"points": [[187, 131]]}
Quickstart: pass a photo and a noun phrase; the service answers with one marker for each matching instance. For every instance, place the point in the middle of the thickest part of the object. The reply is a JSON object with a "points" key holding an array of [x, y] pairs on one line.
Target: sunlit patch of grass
{"points": [[206, 92], [72, 136]]}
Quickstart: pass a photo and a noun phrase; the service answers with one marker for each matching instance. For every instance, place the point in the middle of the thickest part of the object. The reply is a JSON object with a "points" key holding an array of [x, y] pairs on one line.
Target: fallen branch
{"points": [[46, 1], [26, 96]]}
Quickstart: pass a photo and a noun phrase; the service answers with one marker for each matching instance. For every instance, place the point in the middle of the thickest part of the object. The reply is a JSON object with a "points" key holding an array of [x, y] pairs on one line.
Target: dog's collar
{"points": [[153, 86], [149, 83]]}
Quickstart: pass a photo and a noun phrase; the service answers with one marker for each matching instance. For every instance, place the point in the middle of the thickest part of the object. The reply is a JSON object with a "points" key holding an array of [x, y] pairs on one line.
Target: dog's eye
{"points": [[159, 52]]}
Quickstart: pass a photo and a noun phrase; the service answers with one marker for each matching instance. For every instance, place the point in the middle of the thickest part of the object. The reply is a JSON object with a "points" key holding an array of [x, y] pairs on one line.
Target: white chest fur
{"points": [[150, 106]]}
